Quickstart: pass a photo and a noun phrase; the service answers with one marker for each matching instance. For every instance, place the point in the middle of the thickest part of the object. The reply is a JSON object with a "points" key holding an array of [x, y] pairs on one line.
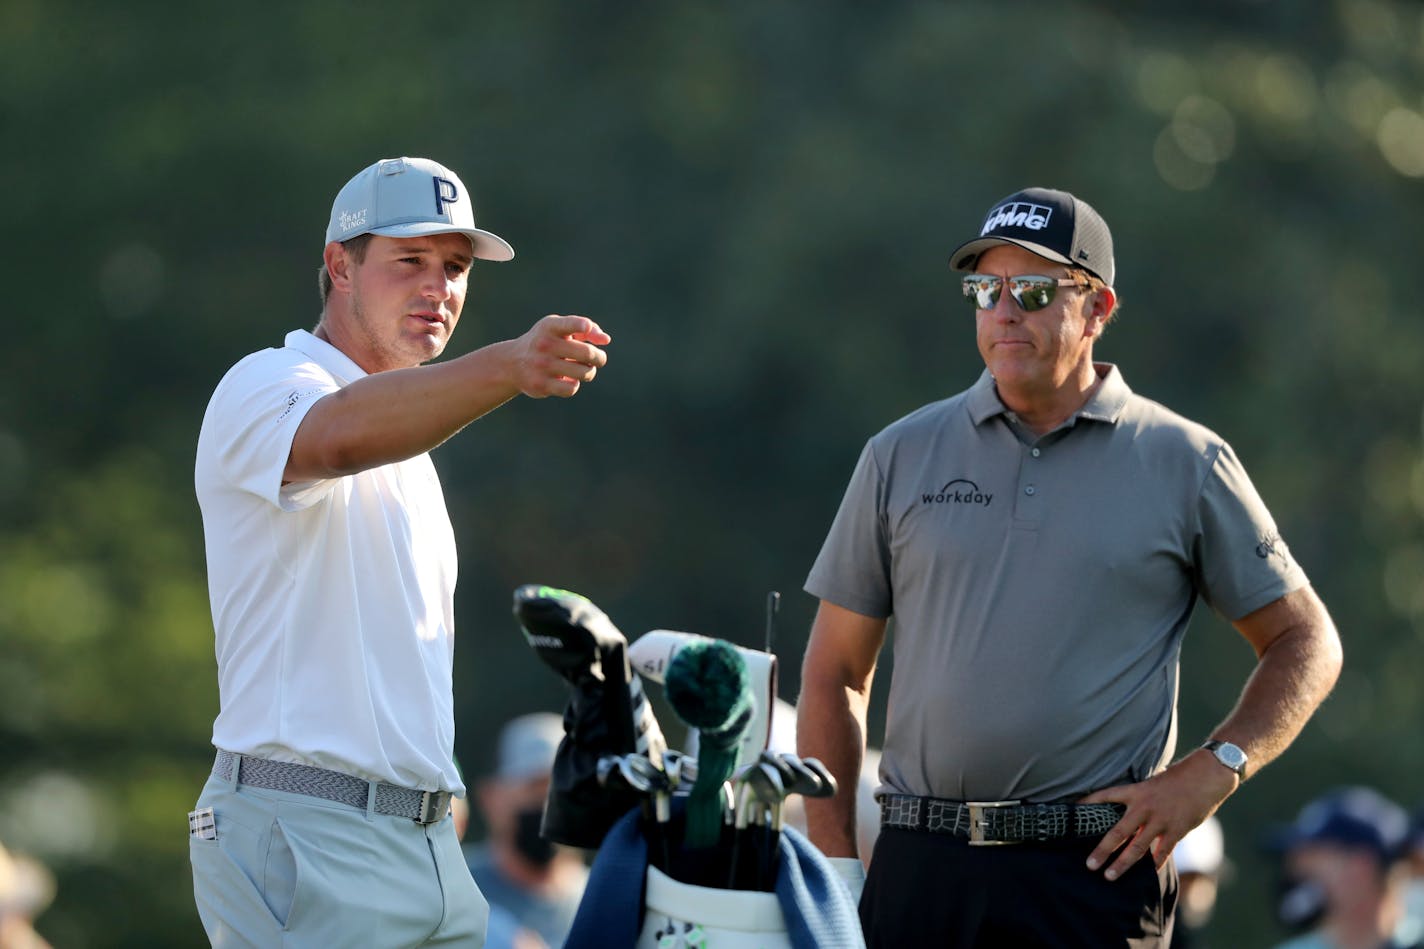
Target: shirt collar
{"points": [[983, 400], [1107, 403], [1104, 405], [325, 355]]}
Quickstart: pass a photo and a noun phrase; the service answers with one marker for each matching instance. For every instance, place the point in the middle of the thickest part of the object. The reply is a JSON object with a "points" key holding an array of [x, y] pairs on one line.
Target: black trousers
{"points": [[934, 890]]}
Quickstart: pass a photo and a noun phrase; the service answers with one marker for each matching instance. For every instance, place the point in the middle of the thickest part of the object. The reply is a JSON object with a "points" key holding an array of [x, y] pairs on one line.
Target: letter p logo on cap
{"points": [[445, 193]]}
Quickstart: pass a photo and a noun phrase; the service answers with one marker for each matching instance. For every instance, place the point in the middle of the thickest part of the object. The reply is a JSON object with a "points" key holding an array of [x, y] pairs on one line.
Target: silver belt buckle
{"points": [[976, 822], [434, 805]]}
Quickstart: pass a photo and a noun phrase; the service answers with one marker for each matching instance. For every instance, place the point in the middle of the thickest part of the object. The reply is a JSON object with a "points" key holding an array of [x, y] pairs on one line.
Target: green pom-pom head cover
{"points": [[710, 689]]}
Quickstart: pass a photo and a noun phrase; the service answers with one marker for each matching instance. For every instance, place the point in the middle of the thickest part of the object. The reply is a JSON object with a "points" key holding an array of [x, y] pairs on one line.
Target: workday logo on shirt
{"points": [[958, 491]]}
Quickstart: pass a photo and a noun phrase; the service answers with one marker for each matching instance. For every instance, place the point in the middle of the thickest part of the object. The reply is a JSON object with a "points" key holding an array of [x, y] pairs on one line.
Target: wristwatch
{"points": [[1229, 755]]}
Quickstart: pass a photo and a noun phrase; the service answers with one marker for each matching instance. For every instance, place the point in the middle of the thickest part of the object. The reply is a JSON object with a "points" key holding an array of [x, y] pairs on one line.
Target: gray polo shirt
{"points": [[1040, 586]]}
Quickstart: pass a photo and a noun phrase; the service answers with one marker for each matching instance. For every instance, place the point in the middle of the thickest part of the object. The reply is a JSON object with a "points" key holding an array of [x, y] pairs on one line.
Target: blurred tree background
{"points": [[756, 200]]}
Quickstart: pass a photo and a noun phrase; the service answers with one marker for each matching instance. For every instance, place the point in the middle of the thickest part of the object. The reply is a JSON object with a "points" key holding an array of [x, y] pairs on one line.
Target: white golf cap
{"points": [[410, 197]]}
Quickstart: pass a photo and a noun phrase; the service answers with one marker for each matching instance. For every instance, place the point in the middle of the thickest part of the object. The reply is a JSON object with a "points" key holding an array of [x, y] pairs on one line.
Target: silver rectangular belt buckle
{"points": [[434, 805], [977, 822]]}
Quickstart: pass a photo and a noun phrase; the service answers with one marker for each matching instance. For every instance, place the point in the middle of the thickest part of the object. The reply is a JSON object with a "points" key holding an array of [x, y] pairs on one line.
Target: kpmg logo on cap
{"points": [[1017, 214]]}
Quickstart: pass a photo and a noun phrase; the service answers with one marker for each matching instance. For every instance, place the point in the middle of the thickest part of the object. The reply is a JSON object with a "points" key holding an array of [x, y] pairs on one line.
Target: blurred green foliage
{"points": [[756, 200]]}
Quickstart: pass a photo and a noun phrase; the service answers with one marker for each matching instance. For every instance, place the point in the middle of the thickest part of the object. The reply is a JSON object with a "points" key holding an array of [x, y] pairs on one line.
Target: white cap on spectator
{"points": [[1201, 850]]}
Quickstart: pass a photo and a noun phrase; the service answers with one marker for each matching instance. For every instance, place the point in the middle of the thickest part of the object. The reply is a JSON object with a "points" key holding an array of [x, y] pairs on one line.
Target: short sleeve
{"points": [[252, 420], [853, 568], [1242, 562]]}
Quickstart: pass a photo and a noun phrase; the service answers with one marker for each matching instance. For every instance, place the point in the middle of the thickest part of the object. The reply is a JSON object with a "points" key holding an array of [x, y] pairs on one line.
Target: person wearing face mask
{"points": [[1344, 860], [536, 883], [1200, 857]]}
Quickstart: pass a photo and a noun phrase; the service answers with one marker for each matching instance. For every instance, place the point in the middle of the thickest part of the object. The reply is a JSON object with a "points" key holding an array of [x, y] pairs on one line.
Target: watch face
{"points": [[1231, 756]]}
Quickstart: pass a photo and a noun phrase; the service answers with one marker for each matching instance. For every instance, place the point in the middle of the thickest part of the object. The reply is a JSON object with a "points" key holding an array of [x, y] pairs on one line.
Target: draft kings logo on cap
{"points": [[1017, 214]]}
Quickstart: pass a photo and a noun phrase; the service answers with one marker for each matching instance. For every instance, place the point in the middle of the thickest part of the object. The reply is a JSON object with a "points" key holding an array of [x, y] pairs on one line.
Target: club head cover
{"points": [[652, 653], [566, 631], [607, 712], [709, 688]]}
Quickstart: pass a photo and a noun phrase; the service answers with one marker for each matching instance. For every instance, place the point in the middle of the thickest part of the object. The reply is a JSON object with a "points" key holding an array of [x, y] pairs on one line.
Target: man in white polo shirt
{"points": [[1041, 539], [331, 569]]}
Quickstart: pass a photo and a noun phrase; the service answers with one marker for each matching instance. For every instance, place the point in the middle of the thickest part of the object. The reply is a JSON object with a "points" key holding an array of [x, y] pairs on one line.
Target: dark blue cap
{"points": [[1354, 817], [1416, 831]]}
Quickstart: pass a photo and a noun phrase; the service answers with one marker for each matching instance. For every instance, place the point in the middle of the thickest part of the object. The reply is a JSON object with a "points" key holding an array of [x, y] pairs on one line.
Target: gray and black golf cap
{"points": [[1052, 224]]}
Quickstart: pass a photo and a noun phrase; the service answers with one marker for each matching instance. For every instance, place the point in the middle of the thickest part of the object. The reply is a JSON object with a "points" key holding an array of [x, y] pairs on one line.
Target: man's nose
{"points": [[1005, 309], [438, 285]]}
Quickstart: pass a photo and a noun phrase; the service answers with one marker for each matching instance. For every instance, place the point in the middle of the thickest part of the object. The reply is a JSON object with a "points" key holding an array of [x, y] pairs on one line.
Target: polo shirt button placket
{"points": [[1031, 490]]}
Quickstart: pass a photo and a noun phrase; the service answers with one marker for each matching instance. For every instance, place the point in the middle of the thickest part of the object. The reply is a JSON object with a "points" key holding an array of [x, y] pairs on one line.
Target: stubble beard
{"points": [[397, 353]]}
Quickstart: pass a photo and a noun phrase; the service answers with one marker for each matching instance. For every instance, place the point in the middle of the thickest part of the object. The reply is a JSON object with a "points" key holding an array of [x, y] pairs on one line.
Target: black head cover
{"points": [[607, 712]]}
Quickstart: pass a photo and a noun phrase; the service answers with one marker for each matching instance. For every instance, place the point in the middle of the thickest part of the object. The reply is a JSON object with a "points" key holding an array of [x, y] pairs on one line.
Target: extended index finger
{"points": [[578, 327]]}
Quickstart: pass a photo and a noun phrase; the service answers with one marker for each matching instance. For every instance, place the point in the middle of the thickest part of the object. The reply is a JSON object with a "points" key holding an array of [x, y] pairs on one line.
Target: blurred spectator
{"points": [[1345, 880], [527, 880], [1414, 874], [26, 889], [503, 929], [1200, 857]]}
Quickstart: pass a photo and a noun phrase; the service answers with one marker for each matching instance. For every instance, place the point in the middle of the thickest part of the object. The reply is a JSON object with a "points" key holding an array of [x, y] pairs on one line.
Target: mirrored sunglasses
{"points": [[1030, 291]]}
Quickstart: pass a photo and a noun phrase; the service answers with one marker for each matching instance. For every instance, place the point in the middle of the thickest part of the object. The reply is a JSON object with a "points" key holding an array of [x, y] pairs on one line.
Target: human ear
{"points": [[1099, 311], [338, 266], [1104, 302]]}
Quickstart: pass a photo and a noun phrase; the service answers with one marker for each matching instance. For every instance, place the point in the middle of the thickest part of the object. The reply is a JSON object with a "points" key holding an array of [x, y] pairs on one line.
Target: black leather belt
{"points": [[998, 822], [423, 807]]}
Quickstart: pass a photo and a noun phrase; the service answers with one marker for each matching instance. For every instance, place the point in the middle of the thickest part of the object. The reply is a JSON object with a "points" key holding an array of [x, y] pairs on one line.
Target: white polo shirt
{"points": [[332, 600]]}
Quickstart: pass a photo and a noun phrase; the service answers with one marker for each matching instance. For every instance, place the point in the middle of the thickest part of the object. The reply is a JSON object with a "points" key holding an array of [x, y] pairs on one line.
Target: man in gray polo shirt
{"points": [[1041, 539]]}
